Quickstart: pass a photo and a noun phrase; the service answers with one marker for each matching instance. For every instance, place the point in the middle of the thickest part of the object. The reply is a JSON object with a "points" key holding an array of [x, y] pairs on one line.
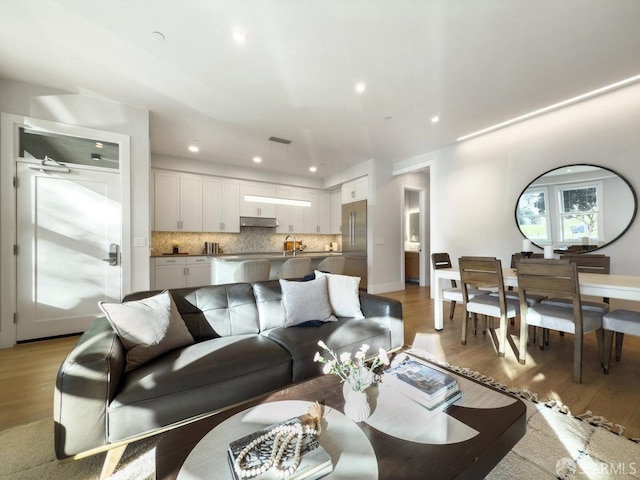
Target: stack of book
{"points": [[431, 388], [315, 462]]}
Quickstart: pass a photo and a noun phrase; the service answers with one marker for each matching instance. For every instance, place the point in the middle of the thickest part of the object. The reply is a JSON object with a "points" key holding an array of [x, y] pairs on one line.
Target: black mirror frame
{"points": [[633, 192]]}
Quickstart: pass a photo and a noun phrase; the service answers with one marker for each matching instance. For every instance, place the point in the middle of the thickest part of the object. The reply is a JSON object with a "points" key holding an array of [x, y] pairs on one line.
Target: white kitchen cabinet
{"points": [[355, 190], [198, 271], [257, 209], [317, 217], [177, 202], [290, 217], [180, 272], [336, 212], [221, 205]]}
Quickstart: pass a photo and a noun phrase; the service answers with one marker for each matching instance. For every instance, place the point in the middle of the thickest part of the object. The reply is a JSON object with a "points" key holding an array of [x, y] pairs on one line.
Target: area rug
{"points": [[556, 445]]}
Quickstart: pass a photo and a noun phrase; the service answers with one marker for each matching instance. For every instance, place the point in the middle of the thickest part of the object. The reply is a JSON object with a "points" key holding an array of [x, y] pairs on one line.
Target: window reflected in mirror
{"points": [[576, 208]]}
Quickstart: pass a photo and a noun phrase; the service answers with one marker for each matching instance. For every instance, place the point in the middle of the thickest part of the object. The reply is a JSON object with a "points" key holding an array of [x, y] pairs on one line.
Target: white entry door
{"points": [[68, 237]]}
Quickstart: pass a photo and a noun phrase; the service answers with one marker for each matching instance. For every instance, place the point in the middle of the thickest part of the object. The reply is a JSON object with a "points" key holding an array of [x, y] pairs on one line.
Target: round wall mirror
{"points": [[576, 208]]}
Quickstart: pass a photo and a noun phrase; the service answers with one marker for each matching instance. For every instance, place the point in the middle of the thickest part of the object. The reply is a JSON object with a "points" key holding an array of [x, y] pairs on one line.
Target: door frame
{"points": [[9, 124], [424, 243]]}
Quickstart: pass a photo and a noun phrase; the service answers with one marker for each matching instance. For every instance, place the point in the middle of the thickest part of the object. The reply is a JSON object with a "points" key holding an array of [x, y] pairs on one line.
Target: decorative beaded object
{"points": [[278, 447]]}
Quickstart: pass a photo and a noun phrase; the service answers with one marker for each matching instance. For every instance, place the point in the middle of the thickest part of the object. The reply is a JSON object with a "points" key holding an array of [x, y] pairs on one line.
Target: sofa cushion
{"points": [[197, 379], [343, 294], [346, 335], [147, 328], [269, 302], [213, 311], [306, 301]]}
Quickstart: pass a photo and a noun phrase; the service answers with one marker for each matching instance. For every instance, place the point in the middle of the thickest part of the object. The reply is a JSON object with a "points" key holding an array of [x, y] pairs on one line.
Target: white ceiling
{"points": [[472, 62]]}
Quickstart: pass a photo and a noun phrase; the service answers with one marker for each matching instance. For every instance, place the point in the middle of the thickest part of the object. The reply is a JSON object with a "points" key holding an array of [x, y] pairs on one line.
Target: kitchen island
{"points": [[224, 266]]}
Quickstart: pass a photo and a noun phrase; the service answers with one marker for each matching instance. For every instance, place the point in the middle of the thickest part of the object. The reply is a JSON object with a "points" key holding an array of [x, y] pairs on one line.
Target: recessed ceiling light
{"points": [[99, 145], [360, 87], [239, 36], [313, 169], [435, 119], [257, 159], [194, 146], [158, 35]]}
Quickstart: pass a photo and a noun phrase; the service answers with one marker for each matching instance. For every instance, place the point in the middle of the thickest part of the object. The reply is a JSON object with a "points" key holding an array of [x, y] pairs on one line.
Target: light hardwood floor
{"points": [[28, 371]]}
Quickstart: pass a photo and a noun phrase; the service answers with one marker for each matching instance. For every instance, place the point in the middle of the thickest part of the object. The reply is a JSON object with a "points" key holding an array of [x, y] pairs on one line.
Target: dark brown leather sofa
{"points": [[241, 351]]}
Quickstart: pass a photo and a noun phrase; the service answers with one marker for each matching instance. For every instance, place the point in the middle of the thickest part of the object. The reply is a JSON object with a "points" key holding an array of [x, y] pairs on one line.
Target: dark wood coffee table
{"points": [[496, 431]]}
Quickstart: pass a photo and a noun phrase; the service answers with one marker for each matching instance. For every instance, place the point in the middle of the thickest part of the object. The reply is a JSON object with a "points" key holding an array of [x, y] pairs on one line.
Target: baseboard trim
{"points": [[385, 287]]}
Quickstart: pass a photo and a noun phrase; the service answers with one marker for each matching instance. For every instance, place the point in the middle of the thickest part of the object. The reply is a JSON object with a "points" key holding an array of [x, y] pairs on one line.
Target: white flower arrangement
{"points": [[352, 370]]}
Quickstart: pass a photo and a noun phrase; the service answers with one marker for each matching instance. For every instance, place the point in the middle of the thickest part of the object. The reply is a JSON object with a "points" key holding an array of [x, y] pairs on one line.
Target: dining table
{"points": [[622, 287]]}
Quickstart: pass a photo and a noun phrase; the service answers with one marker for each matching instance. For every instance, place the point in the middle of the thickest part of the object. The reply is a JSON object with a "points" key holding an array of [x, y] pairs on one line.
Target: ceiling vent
{"points": [[280, 140]]}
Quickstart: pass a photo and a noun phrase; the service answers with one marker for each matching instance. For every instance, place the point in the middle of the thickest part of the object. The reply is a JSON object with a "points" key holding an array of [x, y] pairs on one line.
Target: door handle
{"points": [[113, 255]]}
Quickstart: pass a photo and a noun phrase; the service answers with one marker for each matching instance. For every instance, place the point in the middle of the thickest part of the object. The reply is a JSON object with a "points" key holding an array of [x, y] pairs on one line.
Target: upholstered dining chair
{"points": [[334, 264], [249, 271], [555, 278], [486, 273], [453, 294], [620, 322], [510, 293], [295, 268], [586, 263], [531, 299]]}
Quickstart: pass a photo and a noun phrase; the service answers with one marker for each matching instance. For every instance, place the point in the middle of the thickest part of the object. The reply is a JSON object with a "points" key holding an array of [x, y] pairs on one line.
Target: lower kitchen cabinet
{"points": [[179, 272]]}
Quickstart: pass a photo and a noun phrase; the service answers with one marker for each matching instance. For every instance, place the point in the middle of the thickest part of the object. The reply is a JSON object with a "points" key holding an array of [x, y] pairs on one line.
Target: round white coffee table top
{"points": [[347, 445]]}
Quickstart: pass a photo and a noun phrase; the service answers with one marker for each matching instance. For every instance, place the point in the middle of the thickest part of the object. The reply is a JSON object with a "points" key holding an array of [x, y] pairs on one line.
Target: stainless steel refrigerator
{"points": [[354, 240]]}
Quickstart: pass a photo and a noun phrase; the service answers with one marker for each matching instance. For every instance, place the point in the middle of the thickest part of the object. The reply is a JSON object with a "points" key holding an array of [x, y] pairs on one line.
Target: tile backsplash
{"points": [[250, 240]]}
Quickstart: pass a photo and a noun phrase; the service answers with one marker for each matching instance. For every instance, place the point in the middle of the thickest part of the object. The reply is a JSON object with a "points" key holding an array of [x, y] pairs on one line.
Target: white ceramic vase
{"points": [[356, 405]]}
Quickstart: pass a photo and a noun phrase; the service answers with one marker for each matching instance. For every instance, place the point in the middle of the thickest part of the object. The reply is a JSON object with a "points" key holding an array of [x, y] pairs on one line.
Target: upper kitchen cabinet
{"points": [[290, 217], [257, 209], [317, 217], [355, 190], [221, 205], [177, 202], [336, 212]]}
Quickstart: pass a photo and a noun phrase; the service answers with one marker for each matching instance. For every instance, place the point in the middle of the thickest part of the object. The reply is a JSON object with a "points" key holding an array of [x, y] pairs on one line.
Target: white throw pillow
{"points": [[147, 328], [343, 294], [306, 301]]}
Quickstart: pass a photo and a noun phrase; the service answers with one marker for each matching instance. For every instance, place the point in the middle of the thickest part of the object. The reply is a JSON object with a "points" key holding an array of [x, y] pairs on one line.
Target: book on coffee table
{"points": [[315, 462], [431, 388]]}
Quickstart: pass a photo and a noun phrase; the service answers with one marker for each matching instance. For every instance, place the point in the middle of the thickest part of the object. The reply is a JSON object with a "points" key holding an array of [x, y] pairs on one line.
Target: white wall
{"points": [[92, 112], [386, 253], [476, 183]]}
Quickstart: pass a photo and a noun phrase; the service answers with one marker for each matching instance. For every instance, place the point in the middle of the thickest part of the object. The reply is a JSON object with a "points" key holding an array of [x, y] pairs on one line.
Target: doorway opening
{"points": [[415, 230]]}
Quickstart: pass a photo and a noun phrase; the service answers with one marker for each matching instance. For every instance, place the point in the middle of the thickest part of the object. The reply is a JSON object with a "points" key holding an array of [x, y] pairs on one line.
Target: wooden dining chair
{"points": [[511, 293], [620, 322], [586, 263], [556, 278], [453, 294], [486, 273]]}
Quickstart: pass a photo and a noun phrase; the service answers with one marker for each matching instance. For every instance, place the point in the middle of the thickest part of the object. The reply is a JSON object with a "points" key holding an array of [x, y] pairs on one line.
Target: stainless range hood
{"points": [[259, 222]]}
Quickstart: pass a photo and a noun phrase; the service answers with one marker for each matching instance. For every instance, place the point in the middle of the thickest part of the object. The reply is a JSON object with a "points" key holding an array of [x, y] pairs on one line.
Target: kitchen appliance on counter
{"points": [[354, 240]]}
